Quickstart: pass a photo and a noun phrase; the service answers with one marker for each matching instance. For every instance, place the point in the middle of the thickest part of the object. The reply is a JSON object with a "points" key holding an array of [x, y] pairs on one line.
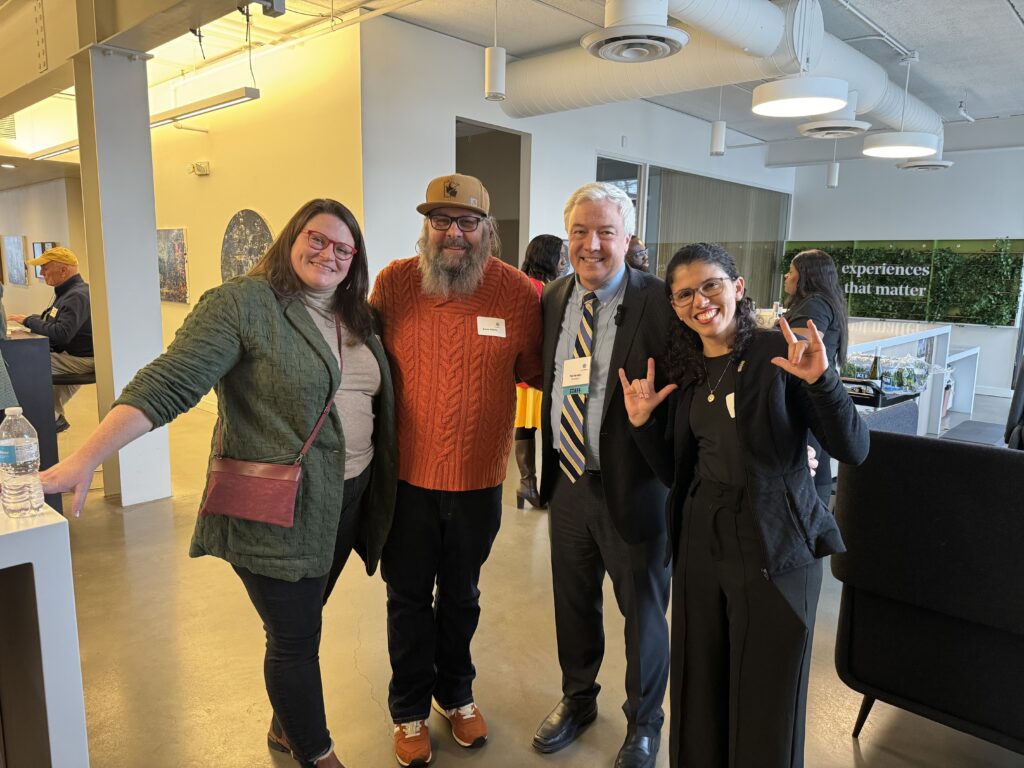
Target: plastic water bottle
{"points": [[22, 493]]}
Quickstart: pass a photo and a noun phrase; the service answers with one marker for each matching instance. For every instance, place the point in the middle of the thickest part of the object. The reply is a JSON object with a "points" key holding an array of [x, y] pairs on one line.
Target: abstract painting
{"points": [[14, 259], [246, 239], [172, 261]]}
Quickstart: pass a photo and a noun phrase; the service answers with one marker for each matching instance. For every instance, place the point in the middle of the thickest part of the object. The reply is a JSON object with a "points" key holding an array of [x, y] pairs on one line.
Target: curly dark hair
{"points": [[816, 273], [685, 348], [542, 256], [350, 296]]}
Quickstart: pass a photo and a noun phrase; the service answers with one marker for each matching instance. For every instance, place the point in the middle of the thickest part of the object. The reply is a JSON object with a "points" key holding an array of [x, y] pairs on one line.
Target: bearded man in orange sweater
{"points": [[460, 327]]}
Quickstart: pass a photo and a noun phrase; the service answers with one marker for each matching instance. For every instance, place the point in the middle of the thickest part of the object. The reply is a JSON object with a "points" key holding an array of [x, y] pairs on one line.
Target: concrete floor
{"points": [[172, 650]]}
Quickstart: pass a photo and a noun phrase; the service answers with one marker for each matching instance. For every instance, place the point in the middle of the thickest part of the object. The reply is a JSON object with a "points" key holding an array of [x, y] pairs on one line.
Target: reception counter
{"points": [[42, 709], [896, 338]]}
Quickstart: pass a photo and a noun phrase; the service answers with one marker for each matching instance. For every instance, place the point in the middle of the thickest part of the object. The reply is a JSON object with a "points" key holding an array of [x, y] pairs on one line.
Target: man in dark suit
{"points": [[607, 506]]}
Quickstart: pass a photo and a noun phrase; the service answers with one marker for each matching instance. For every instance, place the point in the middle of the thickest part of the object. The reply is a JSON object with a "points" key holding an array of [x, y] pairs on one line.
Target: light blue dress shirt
{"points": [[609, 297]]}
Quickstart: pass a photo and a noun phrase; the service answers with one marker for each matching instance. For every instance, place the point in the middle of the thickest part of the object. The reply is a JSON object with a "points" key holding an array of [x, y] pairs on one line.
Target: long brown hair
{"points": [[350, 295]]}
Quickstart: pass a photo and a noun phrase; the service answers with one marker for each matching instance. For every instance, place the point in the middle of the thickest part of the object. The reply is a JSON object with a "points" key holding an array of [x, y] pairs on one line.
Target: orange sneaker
{"points": [[412, 743], [469, 729]]}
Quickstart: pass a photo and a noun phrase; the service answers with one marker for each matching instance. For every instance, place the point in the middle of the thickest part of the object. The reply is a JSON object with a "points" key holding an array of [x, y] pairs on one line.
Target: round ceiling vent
{"points": [[925, 164], [633, 43], [834, 128]]}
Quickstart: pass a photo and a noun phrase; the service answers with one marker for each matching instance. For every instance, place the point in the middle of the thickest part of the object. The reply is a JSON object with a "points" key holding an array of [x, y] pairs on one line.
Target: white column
{"points": [[120, 229]]}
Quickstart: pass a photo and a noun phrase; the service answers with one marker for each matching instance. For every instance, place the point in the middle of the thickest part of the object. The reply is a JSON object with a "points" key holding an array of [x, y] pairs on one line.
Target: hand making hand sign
{"points": [[806, 358], [640, 397]]}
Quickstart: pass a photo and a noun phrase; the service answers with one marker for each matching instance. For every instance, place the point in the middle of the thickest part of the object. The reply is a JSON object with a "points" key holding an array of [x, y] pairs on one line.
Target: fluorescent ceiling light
{"points": [[196, 108], [901, 144], [800, 96], [184, 112]]}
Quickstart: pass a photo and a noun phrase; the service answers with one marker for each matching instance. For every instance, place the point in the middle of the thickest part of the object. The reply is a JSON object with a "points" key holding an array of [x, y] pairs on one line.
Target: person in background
{"points": [[460, 327], [544, 261], [748, 531], [277, 345], [813, 293], [637, 255], [607, 505], [67, 322]]}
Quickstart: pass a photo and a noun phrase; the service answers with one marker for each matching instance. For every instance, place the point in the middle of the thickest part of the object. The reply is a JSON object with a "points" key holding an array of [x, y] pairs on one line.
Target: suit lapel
{"points": [[553, 325], [303, 323], [633, 303]]}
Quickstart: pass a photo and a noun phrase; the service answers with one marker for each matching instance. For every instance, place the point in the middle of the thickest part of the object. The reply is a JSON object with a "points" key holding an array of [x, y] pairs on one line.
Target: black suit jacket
{"points": [[634, 494]]}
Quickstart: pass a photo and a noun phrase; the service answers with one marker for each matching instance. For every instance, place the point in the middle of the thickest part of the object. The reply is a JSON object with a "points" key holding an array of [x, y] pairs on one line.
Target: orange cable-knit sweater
{"points": [[455, 389]]}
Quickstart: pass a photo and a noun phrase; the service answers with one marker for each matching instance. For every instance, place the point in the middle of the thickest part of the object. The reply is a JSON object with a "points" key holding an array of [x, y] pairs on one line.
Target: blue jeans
{"points": [[292, 617], [442, 538]]}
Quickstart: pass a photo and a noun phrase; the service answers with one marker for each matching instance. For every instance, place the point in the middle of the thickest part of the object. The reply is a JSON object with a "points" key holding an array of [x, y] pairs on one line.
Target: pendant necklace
{"points": [[711, 390]]}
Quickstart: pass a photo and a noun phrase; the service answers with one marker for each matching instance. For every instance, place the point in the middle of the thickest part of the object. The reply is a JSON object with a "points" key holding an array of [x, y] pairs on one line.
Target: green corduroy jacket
{"points": [[272, 372]]}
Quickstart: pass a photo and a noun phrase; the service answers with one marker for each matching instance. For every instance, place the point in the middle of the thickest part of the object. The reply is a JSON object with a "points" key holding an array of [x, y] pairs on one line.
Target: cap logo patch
{"points": [[451, 188]]}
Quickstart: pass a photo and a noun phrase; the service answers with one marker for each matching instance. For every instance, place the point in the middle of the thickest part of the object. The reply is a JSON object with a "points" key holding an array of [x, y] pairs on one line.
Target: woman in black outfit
{"points": [[813, 293], [747, 528]]}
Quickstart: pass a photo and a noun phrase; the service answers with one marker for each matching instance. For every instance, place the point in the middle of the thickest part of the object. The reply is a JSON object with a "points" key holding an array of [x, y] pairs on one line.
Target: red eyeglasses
{"points": [[318, 241]]}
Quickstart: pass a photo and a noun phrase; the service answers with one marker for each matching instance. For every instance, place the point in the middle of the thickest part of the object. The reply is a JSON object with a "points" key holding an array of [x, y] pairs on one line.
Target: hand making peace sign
{"points": [[806, 358], [640, 397]]}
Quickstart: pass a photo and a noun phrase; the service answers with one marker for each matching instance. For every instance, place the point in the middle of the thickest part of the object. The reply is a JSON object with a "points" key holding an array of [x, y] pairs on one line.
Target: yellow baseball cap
{"points": [[59, 254], [456, 190]]}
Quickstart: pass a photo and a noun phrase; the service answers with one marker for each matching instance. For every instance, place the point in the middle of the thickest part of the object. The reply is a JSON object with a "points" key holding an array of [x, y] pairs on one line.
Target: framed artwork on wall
{"points": [[246, 239], [38, 249], [14, 259], [172, 259]]}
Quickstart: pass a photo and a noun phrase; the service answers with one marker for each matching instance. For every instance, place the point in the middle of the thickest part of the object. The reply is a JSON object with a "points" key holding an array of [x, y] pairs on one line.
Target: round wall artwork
{"points": [[246, 239]]}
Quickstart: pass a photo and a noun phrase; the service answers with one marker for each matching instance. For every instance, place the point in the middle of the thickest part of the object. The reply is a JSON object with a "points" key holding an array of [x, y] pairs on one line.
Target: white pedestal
{"points": [[42, 709]]}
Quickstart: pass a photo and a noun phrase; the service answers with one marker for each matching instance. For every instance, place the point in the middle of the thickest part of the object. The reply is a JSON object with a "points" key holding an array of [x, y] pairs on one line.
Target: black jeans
{"points": [[440, 537], [292, 617]]}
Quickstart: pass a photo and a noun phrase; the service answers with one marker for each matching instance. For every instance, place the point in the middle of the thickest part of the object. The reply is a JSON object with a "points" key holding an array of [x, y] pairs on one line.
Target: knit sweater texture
{"points": [[455, 388]]}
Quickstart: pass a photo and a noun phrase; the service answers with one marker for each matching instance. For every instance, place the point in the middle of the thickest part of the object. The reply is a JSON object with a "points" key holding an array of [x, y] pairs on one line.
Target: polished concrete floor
{"points": [[172, 651]]}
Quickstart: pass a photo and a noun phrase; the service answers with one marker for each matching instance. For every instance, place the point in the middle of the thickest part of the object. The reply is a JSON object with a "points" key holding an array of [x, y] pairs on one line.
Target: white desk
{"points": [[964, 362], [41, 702], [895, 338]]}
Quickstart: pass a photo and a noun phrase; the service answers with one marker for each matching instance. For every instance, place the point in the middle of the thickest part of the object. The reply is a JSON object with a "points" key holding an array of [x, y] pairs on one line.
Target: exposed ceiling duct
{"points": [[728, 44], [635, 31]]}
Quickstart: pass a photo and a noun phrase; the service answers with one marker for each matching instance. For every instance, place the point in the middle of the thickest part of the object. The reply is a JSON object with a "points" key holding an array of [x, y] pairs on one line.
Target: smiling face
{"points": [[320, 270], [597, 242], [792, 277], [452, 246], [713, 319]]}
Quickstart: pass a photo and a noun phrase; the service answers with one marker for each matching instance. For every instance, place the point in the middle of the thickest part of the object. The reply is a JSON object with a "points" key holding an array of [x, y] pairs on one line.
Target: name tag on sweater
{"points": [[490, 326]]}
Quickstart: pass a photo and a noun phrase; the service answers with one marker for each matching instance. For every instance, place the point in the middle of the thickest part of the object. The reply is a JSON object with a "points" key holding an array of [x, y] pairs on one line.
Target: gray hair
{"points": [[602, 190]]}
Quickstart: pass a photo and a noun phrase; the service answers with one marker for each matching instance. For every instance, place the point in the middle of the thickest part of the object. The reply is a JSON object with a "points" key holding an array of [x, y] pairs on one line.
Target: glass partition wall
{"points": [[675, 208]]}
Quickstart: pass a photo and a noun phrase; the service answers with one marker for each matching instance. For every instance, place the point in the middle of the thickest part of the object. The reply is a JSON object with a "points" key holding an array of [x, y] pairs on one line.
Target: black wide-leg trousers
{"points": [[741, 642]]}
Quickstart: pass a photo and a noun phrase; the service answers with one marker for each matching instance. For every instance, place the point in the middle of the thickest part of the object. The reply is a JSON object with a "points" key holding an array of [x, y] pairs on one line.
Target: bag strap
{"points": [[323, 414]]}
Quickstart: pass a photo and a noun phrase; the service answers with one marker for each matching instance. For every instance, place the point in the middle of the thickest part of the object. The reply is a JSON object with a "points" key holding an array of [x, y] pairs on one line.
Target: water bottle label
{"points": [[18, 454], [7, 454]]}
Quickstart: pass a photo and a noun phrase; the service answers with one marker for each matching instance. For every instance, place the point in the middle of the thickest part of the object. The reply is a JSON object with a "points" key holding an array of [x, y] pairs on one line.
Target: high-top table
{"points": [[42, 709]]}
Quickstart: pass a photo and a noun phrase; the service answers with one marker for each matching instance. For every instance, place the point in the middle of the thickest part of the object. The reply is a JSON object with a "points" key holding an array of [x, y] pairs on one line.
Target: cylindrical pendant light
{"points": [[718, 138], [833, 175], [494, 73]]}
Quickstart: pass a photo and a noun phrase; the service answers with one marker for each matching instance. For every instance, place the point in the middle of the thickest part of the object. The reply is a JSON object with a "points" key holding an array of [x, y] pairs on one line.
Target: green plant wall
{"points": [[967, 282]]}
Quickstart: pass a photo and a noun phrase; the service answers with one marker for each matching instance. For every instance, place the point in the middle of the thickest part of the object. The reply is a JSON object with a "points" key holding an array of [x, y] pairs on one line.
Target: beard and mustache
{"points": [[452, 275]]}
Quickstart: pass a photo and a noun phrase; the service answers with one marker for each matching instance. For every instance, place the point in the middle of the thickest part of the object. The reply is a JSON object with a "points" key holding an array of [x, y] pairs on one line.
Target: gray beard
{"points": [[442, 279]]}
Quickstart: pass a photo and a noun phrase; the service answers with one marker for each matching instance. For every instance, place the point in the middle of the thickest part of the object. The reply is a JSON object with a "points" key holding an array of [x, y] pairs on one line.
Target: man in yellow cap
{"points": [[67, 322], [460, 326]]}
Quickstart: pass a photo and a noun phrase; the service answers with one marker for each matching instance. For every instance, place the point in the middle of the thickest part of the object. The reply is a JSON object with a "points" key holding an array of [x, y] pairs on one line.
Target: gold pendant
{"points": [[711, 397]]}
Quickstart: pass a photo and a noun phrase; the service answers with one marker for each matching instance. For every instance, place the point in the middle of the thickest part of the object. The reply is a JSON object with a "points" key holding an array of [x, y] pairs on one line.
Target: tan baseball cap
{"points": [[59, 254], [457, 190]]}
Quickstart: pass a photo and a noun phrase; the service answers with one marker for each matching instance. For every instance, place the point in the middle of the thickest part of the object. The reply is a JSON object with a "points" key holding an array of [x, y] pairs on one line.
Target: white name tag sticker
{"points": [[490, 326], [576, 376], [53, 313], [730, 404]]}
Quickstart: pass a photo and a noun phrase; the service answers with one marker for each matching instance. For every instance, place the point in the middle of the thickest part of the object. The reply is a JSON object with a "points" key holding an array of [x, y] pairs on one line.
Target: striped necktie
{"points": [[572, 458]]}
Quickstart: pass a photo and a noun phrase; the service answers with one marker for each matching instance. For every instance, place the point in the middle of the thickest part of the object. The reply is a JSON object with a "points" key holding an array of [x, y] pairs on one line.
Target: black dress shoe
{"points": [[564, 724], [638, 752], [61, 424]]}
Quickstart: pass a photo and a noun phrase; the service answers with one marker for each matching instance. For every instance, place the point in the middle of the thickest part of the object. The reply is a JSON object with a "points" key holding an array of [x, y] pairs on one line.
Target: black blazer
{"points": [[634, 494], [773, 413]]}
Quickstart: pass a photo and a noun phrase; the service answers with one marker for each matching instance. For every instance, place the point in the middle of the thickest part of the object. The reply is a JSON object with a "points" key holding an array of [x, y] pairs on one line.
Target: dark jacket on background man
{"points": [[67, 322]]}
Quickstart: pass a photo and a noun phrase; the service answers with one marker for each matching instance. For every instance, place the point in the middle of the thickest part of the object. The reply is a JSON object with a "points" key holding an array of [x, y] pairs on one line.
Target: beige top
{"points": [[360, 383]]}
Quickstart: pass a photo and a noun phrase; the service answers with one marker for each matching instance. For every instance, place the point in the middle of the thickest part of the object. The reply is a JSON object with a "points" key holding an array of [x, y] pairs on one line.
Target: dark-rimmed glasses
{"points": [[709, 289], [465, 223], [318, 241]]}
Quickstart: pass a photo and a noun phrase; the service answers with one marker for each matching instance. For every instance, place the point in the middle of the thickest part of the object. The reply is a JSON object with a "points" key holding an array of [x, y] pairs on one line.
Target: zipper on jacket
{"points": [[753, 511]]}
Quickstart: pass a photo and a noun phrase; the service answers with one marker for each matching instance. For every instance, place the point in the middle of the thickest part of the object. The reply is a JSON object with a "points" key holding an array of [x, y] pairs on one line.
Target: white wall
{"points": [[980, 197], [40, 213], [415, 83]]}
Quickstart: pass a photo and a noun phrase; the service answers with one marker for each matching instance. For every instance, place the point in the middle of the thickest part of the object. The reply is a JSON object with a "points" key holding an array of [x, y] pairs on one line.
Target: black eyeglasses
{"points": [[709, 288], [319, 241], [465, 223]]}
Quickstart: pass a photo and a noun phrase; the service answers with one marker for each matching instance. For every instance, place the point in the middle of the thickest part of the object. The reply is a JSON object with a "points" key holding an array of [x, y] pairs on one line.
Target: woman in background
{"points": [[813, 293], [279, 345], [748, 532], [545, 260]]}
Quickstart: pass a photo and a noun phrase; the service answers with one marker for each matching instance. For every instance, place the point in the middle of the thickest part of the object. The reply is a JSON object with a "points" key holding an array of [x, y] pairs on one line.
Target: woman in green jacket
{"points": [[268, 344]]}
